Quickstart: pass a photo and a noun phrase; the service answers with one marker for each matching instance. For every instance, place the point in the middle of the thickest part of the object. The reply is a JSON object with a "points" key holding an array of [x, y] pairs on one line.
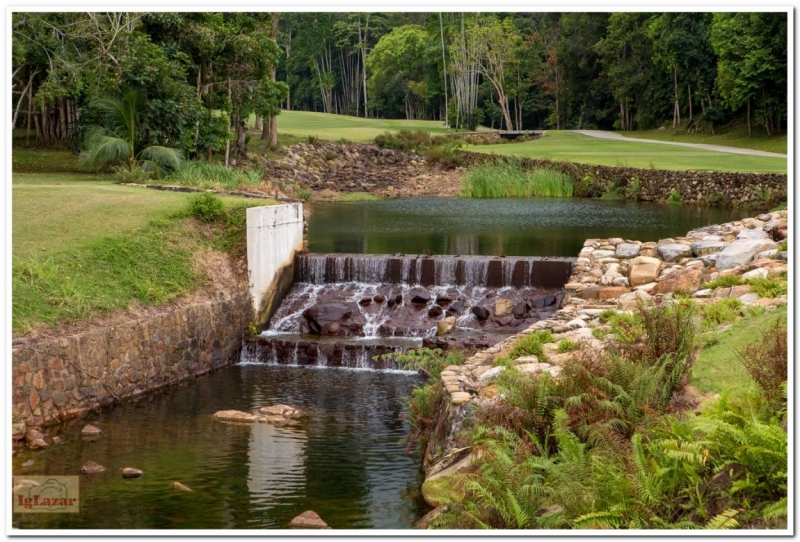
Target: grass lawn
{"points": [[83, 246], [730, 136], [569, 146], [719, 368], [335, 127]]}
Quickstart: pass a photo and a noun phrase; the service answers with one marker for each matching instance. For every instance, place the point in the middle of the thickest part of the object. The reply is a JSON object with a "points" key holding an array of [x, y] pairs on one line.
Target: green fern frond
{"points": [[776, 510], [725, 520]]}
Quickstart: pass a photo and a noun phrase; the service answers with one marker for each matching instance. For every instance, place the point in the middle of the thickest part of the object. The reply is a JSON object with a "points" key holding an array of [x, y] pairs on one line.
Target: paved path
{"points": [[718, 148]]}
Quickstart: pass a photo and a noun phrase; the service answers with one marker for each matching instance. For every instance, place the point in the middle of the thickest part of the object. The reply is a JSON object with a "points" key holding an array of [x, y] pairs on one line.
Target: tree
{"points": [[751, 48], [116, 141], [494, 45]]}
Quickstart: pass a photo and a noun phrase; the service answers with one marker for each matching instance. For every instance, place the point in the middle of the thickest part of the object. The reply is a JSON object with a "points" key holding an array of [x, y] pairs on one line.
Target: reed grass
{"points": [[511, 180], [204, 175]]}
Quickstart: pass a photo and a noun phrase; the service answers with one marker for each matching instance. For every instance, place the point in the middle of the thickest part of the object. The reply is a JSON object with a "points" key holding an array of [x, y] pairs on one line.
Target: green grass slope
{"points": [[569, 146]]}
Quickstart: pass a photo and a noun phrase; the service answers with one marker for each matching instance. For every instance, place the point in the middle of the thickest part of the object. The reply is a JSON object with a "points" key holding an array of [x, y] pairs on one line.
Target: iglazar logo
{"points": [[46, 494]]}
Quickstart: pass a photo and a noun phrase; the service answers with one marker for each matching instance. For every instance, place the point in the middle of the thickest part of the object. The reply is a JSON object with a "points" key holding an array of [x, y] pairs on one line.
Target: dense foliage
{"points": [[516, 71]]}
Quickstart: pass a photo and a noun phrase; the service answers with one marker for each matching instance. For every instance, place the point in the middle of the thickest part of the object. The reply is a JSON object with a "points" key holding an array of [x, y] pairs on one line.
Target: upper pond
{"points": [[511, 227]]}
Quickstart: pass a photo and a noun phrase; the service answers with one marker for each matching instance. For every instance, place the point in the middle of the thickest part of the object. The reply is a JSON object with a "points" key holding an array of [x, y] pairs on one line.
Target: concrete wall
{"points": [[274, 235], [59, 378]]}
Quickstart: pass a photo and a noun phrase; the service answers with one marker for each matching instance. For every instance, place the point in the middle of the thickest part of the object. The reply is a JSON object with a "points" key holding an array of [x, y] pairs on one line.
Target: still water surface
{"points": [[513, 227], [347, 463]]}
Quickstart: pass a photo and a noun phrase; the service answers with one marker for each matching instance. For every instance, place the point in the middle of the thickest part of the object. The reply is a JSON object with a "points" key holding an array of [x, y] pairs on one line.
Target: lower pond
{"points": [[348, 462], [511, 227]]}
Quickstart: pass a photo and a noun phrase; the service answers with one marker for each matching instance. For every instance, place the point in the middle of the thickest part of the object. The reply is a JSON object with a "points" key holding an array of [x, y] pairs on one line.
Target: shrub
{"points": [[767, 361], [446, 155], [531, 344], [428, 361], [675, 197], [410, 141], [304, 194], [768, 287], [723, 311], [206, 206]]}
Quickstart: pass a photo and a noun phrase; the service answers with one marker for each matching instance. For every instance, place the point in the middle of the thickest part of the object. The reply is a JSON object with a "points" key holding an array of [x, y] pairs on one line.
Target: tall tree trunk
{"points": [[444, 70], [273, 121], [690, 102], [676, 110], [622, 115], [257, 125], [30, 112], [749, 128]]}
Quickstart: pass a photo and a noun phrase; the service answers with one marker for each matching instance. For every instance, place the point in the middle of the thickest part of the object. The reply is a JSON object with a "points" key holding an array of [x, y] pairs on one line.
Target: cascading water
{"points": [[346, 310]]}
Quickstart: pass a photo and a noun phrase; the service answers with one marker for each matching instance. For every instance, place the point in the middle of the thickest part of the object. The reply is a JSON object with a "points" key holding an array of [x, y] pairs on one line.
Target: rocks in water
{"points": [[673, 252], [234, 416], [325, 313], [90, 467], [129, 472], [398, 299], [421, 297], [445, 325], [503, 307], [177, 486], [520, 309], [480, 313], [643, 269], [456, 307], [390, 303], [90, 430], [365, 301], [741, 252], [435, 311], [308, 520], [443, 300], [379, 298], [284, 411]]}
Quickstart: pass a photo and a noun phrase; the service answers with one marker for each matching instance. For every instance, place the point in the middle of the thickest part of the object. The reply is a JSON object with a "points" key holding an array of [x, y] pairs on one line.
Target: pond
{"points": [[511, 227], [348, 463]]}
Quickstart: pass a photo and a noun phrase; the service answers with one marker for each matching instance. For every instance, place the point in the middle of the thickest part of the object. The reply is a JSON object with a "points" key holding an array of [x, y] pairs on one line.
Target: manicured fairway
{"points": [[733, 138], [335, 127], [568, 146]]}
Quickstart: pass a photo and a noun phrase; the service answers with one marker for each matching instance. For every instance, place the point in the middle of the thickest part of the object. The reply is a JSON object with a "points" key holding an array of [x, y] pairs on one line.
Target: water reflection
{"points": [[514, 227]]}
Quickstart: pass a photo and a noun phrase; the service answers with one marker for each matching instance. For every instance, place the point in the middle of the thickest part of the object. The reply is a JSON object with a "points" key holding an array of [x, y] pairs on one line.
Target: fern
{"points": [[725, 520]]}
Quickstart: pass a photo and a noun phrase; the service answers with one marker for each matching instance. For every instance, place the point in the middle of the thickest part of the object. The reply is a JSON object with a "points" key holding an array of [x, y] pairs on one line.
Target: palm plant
{"points": [[123, 130]]}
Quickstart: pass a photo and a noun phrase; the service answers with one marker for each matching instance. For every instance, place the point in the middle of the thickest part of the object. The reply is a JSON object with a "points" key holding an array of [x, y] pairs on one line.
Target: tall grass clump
{"points": [[511, 180], [204, 175]]}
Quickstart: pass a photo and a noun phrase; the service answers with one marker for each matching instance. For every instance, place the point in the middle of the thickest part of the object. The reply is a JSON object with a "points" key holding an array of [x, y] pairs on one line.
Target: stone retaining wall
{"points": [[730, 189], [56, 379]]}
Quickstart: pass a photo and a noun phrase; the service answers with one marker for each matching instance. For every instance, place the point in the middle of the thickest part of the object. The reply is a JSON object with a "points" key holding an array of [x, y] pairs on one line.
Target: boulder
{"points": [[491, 374], [90, 430], [456, 307], [445, 325], [627, 251], [283, 411], [308, 520], [752, 234], [502, 307], [480, 313], [597, 254], [686, 280], [672, 252], [234, 416], [33, 434], [533, 368], [421, 298], [643, 269], [631, 300], [177, 486], [435, 311], [460, 397], [527, 359], [520, 309], [704, 248], [741, 252], [325, 313], [38, 444], [379, 298], [447, 485], [90, 467], [129, 472], [758, 273]]}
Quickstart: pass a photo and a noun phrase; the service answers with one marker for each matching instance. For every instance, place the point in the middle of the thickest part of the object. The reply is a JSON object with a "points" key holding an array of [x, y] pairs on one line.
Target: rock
{"points": [[90, 430], [379, 298], [177, 486], [28, 464], [491, 374], [460, 397], [38, 444], [129, 472], [597, 254], [740, 252], [749, 299], [672, 252], [526, 359], [56, 440], [503, 307], [447, 485], [631, 300], [704, 248], [308, 520], [435, 311], [18, 431], [759, 273], [704, 293], [443, 300], [642, 270], [480, 313], [234, 416], [682, 280], [455, 307], [33, 434], [520, 309], [398, 299], [425, 521], [90, 467], [445, 325], [627, 250], [284, 411], [421, 298], [752, 234], [325, 313], [365, 301], [24, 484]]}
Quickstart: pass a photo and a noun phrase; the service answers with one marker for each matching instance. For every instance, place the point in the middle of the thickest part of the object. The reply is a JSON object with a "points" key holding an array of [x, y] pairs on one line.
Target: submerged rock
{"points": [[480, 313], [90, 430], [283, 411], [129, 472], [177, 486], [308, 520], [234, 416]]}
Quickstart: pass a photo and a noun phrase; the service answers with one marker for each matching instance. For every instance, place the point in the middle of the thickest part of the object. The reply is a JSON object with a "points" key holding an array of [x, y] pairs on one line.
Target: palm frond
{"points": [[104, 150], [164, 157]]}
